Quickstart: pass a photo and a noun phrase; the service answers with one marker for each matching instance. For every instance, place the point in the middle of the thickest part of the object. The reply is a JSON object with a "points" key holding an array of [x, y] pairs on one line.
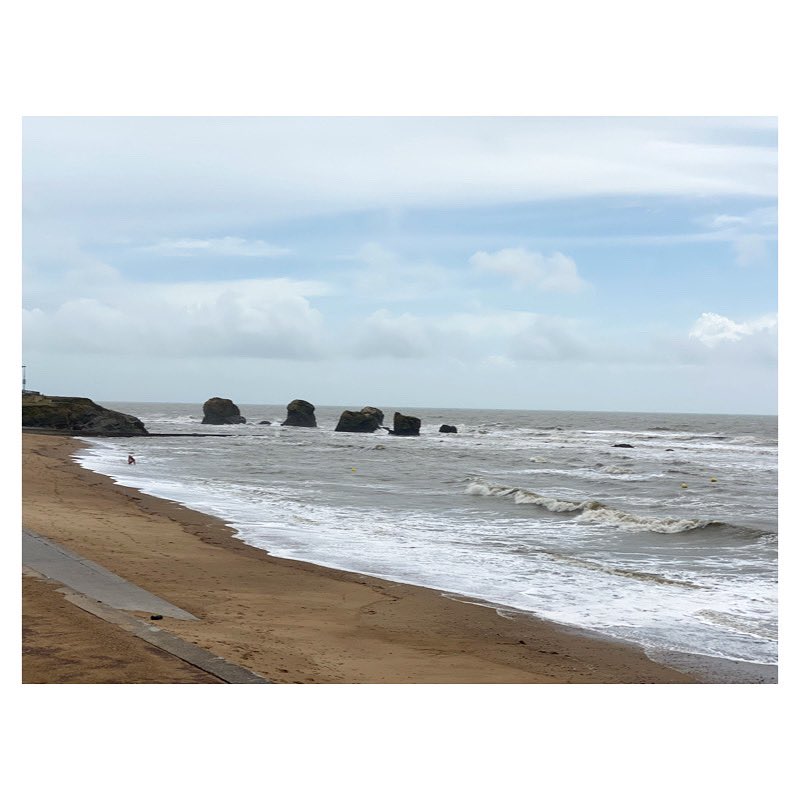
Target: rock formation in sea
{"points": [[79, 415], [405, 425], [367, 420], [300, 413], [221, 411], [448, 429]]}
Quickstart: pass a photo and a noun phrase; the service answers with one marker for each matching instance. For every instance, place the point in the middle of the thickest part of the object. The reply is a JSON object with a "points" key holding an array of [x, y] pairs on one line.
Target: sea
{"points": [[656, 529]]}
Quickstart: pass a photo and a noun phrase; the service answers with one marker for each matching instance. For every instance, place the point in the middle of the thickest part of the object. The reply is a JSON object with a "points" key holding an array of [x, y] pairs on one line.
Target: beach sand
{"points": [[289, 621]]}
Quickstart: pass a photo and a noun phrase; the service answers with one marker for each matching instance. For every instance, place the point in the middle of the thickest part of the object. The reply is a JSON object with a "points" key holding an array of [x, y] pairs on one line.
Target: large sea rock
{"points": [[78, 415], [448, 429], [405, 425], [367, 420], [300, 413], [221, 411]]}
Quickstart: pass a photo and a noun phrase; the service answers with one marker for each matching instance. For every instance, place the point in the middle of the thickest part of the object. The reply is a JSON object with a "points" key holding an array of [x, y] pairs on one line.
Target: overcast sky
{"points": [[526, 262]]}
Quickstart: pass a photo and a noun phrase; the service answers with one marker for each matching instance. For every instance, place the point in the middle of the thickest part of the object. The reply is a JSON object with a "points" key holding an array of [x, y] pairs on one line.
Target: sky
{"points": [[572, 263]]}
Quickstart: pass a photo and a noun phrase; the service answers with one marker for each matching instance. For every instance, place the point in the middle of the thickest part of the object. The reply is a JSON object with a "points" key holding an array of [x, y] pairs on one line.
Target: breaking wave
{"points": [[587, 510], [624, 572]]}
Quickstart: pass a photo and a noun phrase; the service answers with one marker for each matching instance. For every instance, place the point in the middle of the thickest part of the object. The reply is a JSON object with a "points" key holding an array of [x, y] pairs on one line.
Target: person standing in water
{"points": [[131, 459]]}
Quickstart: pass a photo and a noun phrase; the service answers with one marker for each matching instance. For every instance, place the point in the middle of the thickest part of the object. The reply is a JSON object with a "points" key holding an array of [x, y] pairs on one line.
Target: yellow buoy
{"points": [[713, 480], [684, 486], [353, 469]]}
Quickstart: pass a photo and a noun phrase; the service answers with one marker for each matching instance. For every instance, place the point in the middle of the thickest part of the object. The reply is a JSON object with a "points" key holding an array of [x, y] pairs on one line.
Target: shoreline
{"points": [[295, 621]]}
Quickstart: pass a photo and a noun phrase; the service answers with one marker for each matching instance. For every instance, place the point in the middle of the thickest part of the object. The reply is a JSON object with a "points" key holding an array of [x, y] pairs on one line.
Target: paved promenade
{"points": [[110, 597]]}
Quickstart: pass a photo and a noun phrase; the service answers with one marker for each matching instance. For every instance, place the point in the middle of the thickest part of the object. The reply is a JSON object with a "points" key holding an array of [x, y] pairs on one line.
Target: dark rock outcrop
{"points": [[374, 412], [622, 445], [367, 420], [265, 422], [220, 411], [78, 414], [448, 429], [300, 413], [405, 425]]}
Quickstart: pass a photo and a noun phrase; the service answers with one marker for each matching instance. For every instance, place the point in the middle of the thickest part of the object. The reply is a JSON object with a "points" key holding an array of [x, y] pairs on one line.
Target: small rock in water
{"points": [[156, 616], [622, 445]]}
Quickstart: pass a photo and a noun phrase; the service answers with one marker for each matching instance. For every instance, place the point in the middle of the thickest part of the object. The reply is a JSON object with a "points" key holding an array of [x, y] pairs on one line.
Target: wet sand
{"points": [[289, 621]]}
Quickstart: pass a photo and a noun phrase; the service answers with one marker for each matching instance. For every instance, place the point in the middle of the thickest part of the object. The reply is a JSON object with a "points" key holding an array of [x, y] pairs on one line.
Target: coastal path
{"points": [[110, 597]]}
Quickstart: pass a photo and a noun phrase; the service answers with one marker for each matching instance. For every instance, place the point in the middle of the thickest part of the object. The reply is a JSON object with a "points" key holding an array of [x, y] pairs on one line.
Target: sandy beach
{"points": [[289, 621]]}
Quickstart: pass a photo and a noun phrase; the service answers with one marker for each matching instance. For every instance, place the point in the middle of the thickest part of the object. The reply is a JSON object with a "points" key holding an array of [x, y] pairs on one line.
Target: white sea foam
{"points": [[576, 544]]}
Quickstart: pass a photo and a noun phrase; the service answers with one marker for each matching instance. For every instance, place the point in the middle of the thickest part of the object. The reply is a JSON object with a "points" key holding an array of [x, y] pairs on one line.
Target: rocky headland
{"points": [[77, 415]]}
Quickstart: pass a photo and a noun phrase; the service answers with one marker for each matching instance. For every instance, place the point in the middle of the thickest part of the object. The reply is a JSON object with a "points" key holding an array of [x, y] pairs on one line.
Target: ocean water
{"points": [[670, 543]]}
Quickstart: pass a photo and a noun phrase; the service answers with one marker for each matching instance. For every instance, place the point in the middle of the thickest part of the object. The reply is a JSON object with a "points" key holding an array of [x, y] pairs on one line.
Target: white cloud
{"points": [[259, 318], [498, 362], [397, 336], [750, 250], [556, 339], [748, 233], [497, 337], [173, 173], [713, 329], [381, 274], [726, 221], [225, 246], [762, 217], [556, 273]]}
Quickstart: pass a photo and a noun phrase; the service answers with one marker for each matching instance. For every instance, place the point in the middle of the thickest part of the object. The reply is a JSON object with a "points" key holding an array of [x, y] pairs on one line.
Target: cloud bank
{"points": [[257, 318], [713, 329], [186, 173], [554, 273]]}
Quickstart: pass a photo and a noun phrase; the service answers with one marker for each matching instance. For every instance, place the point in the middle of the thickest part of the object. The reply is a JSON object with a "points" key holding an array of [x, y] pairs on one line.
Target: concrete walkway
{"points": [[108, 596]]}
